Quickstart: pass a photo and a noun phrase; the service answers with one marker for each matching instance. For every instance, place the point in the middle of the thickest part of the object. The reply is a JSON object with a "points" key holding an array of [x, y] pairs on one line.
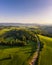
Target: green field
{"points": [[17, 46], [16, 55], [45, 57]]}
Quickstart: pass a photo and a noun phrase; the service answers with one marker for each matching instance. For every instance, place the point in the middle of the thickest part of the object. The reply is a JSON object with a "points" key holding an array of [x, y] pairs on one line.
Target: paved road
{"points": [[35, 56]]}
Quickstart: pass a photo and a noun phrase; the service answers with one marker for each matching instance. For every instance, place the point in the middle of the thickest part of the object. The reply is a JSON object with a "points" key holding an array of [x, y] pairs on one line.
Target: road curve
{"points": [[35, 56]]}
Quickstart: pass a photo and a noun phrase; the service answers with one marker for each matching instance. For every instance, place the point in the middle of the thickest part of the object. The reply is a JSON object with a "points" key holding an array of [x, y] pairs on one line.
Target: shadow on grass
{"points": [[6, 46], [6, 58]]}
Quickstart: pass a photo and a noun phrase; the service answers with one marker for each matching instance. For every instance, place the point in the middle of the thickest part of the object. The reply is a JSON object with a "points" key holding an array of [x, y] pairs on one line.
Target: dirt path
{"points": [[35, 56]]}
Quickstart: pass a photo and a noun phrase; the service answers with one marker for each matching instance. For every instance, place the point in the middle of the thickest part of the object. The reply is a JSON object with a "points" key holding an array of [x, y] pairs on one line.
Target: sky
{"points": [[26, 11]]}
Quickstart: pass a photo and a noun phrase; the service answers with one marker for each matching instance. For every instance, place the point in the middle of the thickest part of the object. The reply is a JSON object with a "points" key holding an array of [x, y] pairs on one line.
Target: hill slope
{"points": [[16, 46], [45, 57]]}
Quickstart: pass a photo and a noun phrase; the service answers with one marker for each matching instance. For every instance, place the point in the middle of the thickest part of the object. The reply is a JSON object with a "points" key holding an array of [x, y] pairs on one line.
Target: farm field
{"points": [[45, 57]]}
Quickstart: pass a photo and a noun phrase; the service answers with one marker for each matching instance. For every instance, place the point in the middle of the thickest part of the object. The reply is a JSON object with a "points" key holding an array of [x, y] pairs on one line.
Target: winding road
{"points": [[35, 56]]}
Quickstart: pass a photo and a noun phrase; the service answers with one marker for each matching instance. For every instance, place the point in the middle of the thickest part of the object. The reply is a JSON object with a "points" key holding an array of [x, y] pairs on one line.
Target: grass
{"points": [[45, 57], [2, 31], [16, 55]]}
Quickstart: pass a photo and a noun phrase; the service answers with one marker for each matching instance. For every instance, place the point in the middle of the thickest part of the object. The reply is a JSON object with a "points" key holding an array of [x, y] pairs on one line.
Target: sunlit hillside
{"points": [[45, 57]]}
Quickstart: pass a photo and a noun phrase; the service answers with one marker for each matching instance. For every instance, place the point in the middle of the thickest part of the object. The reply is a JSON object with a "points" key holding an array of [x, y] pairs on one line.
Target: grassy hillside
{"points": [[16, 55], [16, 46], [45, 57]]}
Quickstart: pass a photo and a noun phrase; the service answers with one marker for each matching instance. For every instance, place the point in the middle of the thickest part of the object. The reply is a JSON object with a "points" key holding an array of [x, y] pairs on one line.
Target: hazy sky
{"points": [[26, 11]]}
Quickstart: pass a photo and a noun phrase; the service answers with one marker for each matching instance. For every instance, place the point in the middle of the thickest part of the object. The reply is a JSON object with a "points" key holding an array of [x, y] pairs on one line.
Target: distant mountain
{"points": [[10, 24], [45, 27], [47, 30], [18, 24]]}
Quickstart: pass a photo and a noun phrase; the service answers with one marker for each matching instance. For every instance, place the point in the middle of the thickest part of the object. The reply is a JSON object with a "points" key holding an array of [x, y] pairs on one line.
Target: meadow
{"points": [[16, 55], [45, 57]]}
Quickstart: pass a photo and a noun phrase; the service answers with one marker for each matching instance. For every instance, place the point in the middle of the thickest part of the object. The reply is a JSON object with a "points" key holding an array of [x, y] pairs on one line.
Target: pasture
{"points": [[45, 57]]}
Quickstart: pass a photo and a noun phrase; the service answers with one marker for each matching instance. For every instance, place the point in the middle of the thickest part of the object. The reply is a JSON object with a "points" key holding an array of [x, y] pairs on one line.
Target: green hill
{"points": [[16, 37], [16, 46], [45, 57]]}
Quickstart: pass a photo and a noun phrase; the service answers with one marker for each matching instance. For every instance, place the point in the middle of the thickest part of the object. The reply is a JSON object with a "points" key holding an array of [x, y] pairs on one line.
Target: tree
{"points": [[23, 38]]}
